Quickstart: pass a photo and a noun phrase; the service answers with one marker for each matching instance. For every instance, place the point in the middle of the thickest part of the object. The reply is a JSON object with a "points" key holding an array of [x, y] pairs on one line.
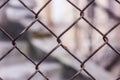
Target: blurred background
{"points": [[81, 40]]}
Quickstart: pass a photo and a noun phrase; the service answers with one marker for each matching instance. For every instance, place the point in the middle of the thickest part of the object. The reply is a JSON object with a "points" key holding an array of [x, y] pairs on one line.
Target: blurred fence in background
{"points": [[91, 38]]}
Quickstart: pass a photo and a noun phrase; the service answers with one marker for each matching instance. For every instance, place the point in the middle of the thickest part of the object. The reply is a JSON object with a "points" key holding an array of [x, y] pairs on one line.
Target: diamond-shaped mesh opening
{"points": [[13, 66], [60, 55], [54, 73]]}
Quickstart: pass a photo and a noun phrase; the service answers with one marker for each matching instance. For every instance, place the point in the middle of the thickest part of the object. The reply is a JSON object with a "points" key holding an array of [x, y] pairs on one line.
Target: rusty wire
{"points": [[58, 38]]}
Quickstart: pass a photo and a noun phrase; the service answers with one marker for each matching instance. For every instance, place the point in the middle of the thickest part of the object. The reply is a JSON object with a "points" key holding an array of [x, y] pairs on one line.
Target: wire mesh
{"points": [[58, 38]]}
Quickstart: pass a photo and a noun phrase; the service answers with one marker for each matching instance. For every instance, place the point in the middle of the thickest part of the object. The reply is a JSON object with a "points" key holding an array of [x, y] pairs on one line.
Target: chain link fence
{"points": [[58, 39]]}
